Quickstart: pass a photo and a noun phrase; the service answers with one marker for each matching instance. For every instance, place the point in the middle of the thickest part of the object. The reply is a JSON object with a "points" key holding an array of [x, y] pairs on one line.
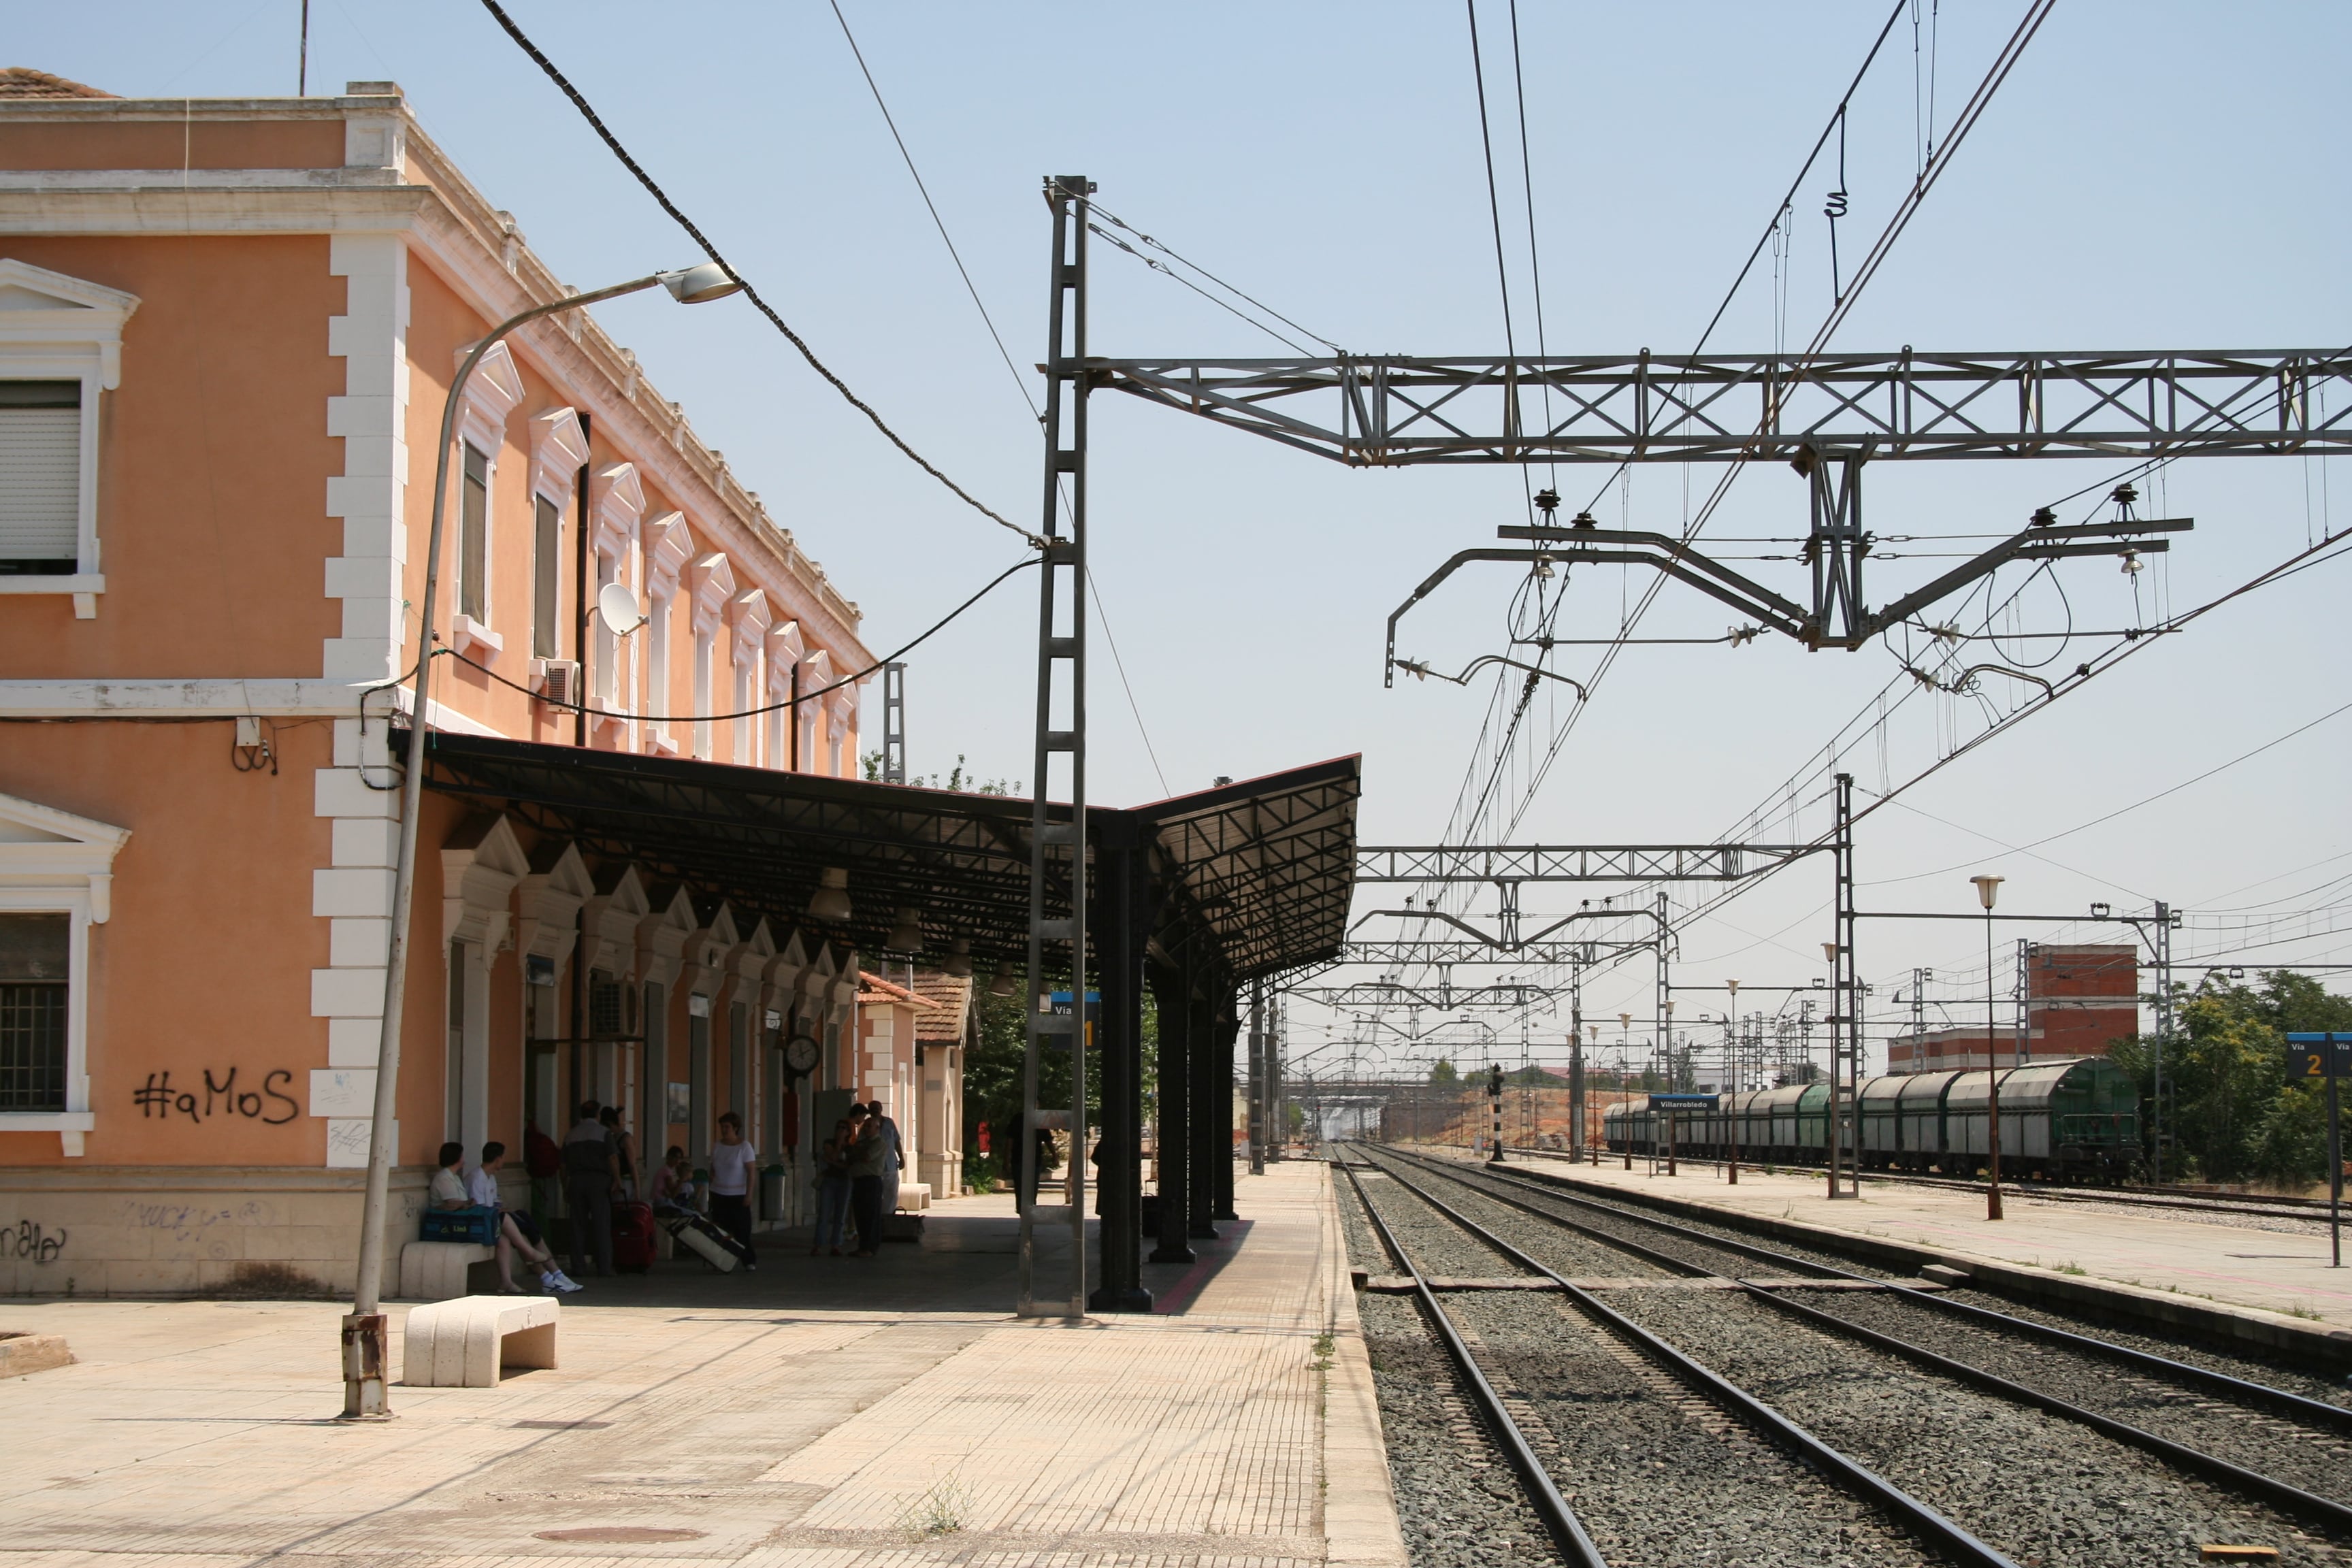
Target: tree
{"points": [[1442, 1075], [2228, 1111]]}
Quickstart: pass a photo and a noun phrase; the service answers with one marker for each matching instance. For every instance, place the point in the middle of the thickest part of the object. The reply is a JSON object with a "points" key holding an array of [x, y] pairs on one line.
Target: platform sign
{"points": [[2327, 1056], [2319, 1055], [1678, 1102]]}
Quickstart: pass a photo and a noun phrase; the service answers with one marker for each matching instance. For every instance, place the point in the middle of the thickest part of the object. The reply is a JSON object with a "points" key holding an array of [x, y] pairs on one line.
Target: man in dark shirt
{"points": [[592, 1178]]}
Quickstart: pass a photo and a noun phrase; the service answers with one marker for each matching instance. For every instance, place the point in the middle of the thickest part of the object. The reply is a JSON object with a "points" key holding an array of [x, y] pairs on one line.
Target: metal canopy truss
{"points": [[758, 839], [1267, 865], [1509, 863], [1381, 410]]}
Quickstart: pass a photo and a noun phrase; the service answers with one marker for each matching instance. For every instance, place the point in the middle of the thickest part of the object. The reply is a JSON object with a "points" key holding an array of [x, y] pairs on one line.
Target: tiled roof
{"points": [[951, 995], [23, 81], [878, 989]]}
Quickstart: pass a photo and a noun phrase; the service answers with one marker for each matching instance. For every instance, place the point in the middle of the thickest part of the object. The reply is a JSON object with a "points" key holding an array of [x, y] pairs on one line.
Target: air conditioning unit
{"points": [[559, 681]]}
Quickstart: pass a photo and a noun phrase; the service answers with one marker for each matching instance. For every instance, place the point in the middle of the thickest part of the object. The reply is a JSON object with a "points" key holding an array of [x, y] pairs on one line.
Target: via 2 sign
{"points": [[2318, 1057]]}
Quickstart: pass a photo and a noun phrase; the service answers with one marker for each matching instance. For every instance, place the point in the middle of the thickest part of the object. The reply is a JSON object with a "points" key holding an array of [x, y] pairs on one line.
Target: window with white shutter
{"points": [[40, 477]]}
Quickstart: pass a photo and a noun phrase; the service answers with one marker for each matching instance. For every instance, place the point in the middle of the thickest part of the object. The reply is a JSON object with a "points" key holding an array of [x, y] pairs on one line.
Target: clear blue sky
{"points": [[2152, 175]]}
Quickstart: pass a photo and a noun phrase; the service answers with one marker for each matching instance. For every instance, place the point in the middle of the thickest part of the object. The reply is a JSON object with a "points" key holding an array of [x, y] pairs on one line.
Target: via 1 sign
{"points": [[2319, 1055]]}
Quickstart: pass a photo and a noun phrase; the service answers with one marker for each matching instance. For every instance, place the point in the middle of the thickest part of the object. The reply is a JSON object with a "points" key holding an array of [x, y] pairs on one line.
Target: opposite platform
{"points": [[821, 1414]]}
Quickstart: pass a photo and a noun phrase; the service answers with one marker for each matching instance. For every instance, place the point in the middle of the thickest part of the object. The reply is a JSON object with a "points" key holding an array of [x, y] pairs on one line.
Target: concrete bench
{"points": [[440, 1270], [470, 1341], [914, 1196]]}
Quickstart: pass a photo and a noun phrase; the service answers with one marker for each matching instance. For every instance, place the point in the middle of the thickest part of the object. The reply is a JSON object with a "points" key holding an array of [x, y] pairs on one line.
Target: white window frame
{"points": [[706, 647], [80, 340], [493, 393], [558, 453], [64, 865]]}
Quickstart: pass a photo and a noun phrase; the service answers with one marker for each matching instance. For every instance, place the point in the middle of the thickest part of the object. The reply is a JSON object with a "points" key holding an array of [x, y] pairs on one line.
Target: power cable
{"points": [[930, 207], [1493, 208], [998, 338], [2119, 811], [789, 702], [1535, 262], [662, 198], [1120, 665]]}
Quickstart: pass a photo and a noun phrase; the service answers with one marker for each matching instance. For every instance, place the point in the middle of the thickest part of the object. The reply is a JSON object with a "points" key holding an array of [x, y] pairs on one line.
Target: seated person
{"points": [[449, 1189], [671, 1187], [517, 1233]]}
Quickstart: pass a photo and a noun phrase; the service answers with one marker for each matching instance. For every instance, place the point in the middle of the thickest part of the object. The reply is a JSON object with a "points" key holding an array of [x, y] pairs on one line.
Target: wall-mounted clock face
{"points": [[801, 1054]]}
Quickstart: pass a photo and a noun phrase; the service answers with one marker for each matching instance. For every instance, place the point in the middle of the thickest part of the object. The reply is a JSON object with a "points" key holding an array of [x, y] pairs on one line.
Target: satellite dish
{"points": [[619, 608]]}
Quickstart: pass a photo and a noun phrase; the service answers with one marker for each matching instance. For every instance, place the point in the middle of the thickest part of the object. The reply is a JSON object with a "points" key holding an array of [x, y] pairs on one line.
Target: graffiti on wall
{"points": [[27, 1242], [220, 1097]]}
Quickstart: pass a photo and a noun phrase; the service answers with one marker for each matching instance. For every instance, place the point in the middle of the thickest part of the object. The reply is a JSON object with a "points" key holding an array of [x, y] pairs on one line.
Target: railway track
{"points": [[2183, 1450], [1714, 1416]]}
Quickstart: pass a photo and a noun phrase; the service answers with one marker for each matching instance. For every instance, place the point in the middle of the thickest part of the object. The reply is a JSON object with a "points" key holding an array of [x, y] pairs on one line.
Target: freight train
{"points": [[2077, 1119]]}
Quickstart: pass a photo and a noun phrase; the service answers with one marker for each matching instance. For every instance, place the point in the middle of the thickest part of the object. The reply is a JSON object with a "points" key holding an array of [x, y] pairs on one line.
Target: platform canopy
{"points": [[1261, 871]]}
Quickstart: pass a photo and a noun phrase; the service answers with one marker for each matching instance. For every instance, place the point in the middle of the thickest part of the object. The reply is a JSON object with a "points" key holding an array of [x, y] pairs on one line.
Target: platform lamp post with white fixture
{"points": [[1988, 888], [365, 1336]]}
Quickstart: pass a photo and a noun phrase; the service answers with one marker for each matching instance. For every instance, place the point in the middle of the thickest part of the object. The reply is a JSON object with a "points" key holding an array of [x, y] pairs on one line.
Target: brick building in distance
{"points": [[2080, 999]]}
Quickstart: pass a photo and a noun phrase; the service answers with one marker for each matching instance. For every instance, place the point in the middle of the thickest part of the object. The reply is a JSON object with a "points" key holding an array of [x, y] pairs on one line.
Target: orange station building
{"points": [[227, 331]]}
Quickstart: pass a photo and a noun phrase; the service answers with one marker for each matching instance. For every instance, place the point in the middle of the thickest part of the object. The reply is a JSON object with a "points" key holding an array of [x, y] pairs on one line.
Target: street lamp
{"points": [[366, 1340], [1731, 1060], [1987, 888]]}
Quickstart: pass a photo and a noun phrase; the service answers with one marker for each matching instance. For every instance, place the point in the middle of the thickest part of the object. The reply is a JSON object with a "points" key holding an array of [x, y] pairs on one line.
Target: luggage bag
{"points": [[633, 1237], [714, 1245]]}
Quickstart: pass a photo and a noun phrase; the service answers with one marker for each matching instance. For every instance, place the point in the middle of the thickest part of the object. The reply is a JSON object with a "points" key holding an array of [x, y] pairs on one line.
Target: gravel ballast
{"points": [[2066, 1495]]}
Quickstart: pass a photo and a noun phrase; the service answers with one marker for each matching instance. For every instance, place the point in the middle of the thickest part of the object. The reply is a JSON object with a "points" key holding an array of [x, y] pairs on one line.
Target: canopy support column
{"points": [[1171, 988], [1122, 916]]}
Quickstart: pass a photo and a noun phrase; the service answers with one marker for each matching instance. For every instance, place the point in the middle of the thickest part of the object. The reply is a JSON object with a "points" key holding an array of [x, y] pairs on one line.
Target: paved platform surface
{"points": [[820, 1413], [2156, 1249]]}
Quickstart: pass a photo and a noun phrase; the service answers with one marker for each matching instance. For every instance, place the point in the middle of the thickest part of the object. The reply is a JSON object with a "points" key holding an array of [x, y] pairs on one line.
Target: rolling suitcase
{"points": [[633, 1237], [714, 1245]]}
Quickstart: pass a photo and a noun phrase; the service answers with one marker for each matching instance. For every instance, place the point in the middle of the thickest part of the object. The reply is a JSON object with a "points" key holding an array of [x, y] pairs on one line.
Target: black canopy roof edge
{"points": [[1262, 869]]}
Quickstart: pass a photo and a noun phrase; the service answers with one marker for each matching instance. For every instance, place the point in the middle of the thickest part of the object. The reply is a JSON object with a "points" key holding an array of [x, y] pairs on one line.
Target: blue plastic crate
{"points": [[479, 1226]]}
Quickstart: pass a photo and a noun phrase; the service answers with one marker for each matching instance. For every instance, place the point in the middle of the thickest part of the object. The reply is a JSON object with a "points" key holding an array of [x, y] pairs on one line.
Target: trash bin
{"points": [[771, 1195]]}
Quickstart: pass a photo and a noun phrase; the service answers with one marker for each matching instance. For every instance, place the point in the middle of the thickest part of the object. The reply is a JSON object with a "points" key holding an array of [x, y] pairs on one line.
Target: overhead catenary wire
{"points": [[751, 293], [1019, 381], [932, 208], [1469, 823], [1099, 210]]}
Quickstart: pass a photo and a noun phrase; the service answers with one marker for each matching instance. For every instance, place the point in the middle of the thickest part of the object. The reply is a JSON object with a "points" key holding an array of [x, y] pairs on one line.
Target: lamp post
{"points": [[365, 1337], [1731, 1060], [1987, 888]]}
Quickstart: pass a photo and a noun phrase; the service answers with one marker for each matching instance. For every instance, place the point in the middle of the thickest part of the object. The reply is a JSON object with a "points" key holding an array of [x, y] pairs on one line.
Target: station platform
{"points": [[2280, 1279], [822, 1413]]}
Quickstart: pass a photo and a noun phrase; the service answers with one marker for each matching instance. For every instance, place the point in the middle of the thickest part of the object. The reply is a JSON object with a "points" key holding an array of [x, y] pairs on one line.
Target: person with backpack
{"points": [[591, 1177]]}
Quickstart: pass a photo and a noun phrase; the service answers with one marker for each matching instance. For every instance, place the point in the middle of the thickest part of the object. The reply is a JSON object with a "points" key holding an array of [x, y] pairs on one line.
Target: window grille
{"points": [[603, 1008], [34, 969]]}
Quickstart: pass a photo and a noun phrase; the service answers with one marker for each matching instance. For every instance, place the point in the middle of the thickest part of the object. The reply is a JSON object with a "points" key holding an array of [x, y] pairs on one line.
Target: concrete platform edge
{"points": [[1360, 1515], [2222, 1321]]}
